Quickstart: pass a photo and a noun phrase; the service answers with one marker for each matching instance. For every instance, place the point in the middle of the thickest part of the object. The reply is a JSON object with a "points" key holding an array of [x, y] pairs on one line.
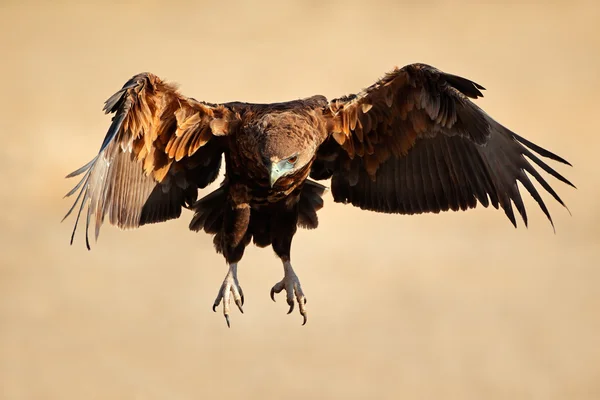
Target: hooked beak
{"points": [[275, 174]]}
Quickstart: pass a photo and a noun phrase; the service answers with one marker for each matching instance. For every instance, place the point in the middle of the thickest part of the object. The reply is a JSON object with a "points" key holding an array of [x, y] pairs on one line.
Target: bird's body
{"points": [[413, 142], [272, 132], [252, 205]]}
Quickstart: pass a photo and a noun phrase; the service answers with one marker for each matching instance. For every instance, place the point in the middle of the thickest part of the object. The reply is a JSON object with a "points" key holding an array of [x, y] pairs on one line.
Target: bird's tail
{"points": [[311, 201], [209, 211]]}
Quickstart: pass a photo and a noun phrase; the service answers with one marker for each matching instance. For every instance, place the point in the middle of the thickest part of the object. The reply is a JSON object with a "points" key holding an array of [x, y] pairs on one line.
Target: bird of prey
{"points": [[413, 142]]}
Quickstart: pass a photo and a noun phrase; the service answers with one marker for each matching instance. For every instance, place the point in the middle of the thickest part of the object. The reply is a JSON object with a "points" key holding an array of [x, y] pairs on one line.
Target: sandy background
{"points": [[454, 306]]}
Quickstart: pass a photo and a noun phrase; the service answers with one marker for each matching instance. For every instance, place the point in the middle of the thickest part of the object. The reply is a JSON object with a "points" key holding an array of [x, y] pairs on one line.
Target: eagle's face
{"points": [[279, 167], [284, 154], [286, 144]]}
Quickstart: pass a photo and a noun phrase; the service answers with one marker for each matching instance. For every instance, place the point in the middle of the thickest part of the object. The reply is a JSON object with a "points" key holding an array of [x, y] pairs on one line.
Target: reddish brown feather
{"points": [[416, 93]]}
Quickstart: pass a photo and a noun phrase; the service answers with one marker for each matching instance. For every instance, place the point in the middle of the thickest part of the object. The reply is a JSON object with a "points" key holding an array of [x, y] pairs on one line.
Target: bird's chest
{"points": [[250, 185], [286, 191], [258, 192]]}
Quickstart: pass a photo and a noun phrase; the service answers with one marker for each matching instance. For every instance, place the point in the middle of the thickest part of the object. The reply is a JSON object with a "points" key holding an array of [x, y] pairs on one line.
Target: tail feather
{"points": [[209, 211], [310, 202]]}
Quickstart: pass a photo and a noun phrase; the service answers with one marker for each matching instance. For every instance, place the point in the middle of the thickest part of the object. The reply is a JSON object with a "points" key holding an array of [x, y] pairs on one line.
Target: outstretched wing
{"points": [[159, 149], [413, 142]]}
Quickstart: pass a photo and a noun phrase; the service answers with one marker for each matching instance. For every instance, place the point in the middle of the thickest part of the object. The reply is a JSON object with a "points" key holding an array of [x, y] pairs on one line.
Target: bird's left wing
{"points": [[159, 149], [413, 142]]}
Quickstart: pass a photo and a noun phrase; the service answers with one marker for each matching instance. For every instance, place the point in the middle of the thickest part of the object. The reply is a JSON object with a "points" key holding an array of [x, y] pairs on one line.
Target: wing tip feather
{"points": [[540, 150]]}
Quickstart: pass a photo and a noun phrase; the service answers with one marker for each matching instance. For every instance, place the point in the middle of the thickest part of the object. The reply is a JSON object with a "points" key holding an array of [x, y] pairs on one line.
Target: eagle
{"points": [[411, 143]]}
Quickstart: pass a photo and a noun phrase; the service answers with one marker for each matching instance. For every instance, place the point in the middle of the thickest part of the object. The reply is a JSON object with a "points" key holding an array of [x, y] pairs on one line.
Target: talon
{"points": [[291, 284], [239, 303], [230, 289], [243, 300]]}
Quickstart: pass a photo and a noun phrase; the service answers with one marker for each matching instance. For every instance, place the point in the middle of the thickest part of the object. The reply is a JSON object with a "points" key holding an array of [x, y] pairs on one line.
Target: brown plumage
{"points": [[412, 142]]}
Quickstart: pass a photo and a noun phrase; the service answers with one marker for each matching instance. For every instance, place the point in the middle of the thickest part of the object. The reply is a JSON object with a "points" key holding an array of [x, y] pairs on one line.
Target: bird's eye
{"points": [[292, 160]]}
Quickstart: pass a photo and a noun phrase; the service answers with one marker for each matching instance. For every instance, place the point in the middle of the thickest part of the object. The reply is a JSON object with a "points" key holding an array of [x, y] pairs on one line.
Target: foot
{"points": [[230, 286], [291, 284]]}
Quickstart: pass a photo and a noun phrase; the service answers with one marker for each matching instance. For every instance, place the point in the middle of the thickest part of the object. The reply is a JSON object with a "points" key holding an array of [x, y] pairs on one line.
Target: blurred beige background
{"points": [[453, 306]]}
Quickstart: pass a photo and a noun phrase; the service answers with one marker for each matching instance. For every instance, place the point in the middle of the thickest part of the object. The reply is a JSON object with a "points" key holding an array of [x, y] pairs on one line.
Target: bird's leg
{"points": [[232, 240], [291, 284], [230, 286]]}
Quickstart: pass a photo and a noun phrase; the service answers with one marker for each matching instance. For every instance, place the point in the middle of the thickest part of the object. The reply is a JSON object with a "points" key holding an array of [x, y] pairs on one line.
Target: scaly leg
{"points": [[291, 284], [230, 285]]}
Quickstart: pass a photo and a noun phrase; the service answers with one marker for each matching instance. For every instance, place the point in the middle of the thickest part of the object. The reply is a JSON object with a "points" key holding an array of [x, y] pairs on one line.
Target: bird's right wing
{"points": [[159, 149], [414, 142]]}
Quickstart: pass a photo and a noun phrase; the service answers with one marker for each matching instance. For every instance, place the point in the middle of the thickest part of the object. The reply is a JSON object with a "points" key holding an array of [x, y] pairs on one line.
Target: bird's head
{"points": [[287, 145], [286, 142]]}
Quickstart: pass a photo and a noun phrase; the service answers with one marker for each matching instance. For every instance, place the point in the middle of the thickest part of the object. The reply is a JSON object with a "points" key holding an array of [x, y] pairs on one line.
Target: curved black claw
{"points": [[239, 304], [273, 293], [304, 316], [227, 319], [291, 304]]}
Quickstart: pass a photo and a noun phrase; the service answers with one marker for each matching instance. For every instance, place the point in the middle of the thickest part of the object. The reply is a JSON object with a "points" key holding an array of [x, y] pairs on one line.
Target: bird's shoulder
{"points": [[257, 110]]}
